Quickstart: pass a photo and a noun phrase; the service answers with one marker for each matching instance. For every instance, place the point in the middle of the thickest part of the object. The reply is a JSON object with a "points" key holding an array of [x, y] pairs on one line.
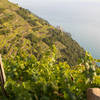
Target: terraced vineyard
{"points": [[22, 30], [42, 62]]}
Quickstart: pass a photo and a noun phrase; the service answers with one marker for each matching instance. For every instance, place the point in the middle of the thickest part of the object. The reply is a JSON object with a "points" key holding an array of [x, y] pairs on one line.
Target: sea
{"points": [[80, 18]]}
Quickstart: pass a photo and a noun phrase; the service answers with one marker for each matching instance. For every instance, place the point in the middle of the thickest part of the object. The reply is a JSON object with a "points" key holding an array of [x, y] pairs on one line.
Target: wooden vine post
{"points": [[2, 78]]}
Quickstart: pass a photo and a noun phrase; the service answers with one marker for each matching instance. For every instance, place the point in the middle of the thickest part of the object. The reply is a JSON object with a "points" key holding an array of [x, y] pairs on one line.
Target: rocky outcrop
{"points": [[93, 94]]}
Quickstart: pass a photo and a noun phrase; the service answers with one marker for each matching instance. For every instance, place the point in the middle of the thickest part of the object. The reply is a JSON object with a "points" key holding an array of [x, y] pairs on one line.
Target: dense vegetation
{"points": [[30, 79], [41, 61]]}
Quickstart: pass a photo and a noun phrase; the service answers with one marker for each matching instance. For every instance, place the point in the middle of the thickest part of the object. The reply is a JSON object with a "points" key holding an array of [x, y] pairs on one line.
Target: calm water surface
{"points": [[81, 19]]}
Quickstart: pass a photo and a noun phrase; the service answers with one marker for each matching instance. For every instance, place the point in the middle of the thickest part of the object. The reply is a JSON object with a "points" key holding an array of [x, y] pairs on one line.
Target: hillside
{"points": [[33, 52], [21, 30]]}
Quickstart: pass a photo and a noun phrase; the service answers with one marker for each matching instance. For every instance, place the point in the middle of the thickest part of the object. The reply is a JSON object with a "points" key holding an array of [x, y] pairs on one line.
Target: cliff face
{"points": [[21, 30]]}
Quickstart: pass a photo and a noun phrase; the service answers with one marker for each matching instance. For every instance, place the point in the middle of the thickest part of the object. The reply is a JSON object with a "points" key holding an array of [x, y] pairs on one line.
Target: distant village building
{"points": [[62, 30]]}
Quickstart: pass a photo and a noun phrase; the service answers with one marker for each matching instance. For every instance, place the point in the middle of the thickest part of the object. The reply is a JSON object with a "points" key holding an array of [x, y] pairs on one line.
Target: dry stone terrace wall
{"points": [[93, 94]]}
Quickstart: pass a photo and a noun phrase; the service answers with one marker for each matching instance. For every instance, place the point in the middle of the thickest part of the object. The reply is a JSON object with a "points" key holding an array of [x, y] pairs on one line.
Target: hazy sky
{"points": [[57, 0], [43, 2]]}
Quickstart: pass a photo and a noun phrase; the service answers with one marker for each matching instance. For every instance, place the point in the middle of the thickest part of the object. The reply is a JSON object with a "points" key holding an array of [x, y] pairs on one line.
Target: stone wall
{"points": [[93, 94]]}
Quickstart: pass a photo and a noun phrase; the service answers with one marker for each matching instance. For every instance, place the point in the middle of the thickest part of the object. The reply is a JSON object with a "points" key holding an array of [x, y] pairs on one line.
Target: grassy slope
{"points": [[22, 30]]}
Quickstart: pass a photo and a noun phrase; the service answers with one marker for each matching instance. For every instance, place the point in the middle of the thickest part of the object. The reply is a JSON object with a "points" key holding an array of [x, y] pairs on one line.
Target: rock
{"points": [[93, 94]]}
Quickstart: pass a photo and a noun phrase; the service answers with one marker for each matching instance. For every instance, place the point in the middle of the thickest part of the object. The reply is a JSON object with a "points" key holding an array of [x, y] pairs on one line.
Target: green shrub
{"points": [[7, 17], [4, 31], [30, 79], [36, 29], [1, 10], [32, 38], [25, 14]]}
